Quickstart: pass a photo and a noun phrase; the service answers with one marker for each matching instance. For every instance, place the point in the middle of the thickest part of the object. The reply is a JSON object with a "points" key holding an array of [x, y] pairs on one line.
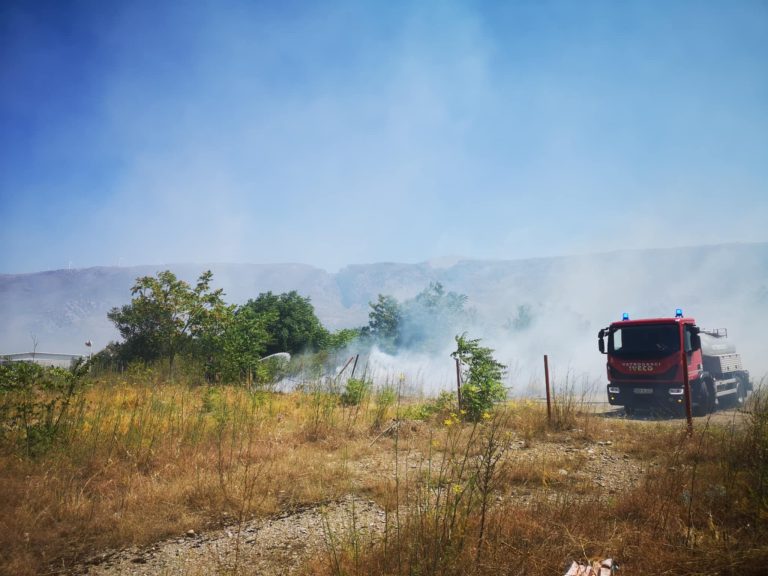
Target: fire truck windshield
{"points": [[647, 340]]}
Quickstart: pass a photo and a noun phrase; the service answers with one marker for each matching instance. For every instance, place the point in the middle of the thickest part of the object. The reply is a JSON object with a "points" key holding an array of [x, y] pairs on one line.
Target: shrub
{"points": [[356, 391], [442, 406], [482, 374], [386, 396], [34, 401]]}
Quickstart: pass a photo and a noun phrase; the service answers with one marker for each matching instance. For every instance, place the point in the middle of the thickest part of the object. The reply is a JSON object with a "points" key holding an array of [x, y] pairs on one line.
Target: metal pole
{"points": [[345, 367], [458, 382], [686, 381], [546, 379], [354, 365]]}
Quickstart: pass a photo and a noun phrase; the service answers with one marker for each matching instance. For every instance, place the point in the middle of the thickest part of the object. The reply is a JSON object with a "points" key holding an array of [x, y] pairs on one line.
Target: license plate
{"points": [[643, 390]]}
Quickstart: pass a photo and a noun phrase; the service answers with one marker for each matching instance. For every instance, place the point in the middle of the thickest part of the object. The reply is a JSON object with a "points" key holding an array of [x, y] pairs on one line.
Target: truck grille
{"points": [[666, 375]]}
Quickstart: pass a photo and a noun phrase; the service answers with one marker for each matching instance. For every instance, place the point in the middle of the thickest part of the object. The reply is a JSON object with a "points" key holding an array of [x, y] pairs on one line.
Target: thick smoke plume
{"points": [[557, 306]]}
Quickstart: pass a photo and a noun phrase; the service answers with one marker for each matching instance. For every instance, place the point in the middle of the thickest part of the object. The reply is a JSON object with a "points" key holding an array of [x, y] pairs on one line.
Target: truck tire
{"points": [[741, 393], [704, 393], [712, 401]]}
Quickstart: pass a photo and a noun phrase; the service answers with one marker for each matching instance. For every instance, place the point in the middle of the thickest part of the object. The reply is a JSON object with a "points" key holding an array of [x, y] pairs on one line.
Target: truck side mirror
{"points": [[695, 342], [600, 341]]}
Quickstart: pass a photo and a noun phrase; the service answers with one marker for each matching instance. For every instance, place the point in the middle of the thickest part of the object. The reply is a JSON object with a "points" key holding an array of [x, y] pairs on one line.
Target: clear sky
{"points": [[336, 133]]}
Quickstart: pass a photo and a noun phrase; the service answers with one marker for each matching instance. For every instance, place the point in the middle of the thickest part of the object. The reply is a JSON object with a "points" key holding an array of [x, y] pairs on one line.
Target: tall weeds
{"points": [[136, 459], [700, 510]]}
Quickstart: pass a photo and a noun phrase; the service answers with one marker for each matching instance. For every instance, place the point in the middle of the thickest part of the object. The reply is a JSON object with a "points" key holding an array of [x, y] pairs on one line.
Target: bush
{"points": [[482, 374], [34, 401], [356, 391], [443, 405], [386, 396]]}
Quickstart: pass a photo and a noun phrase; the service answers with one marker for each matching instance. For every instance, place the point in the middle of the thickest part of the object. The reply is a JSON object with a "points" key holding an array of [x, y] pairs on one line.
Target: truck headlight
{"points": [[613, 389], [675, 391]]}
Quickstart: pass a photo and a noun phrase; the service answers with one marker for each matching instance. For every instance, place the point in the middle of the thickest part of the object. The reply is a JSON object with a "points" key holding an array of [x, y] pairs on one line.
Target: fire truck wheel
{"points": [[711, 397], [700, 393], [741, 393]]}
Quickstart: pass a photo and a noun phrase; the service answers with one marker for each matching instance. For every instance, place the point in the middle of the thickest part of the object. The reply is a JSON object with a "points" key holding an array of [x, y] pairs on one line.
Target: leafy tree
{"points": [[482, 386], [236, 353], [435, 298], [522, 319], [421, 323], [167, 316], [384, 322], [341, 338], [290, 321], [430, 318]]}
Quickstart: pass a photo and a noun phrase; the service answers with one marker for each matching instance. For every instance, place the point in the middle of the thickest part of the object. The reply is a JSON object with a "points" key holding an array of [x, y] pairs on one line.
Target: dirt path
{"points": [[270, 547], [723, 417]]}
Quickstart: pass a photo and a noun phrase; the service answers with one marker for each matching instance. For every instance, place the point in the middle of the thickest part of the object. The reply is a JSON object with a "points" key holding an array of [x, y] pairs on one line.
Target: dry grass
{"points": [[702, 508], [139, 460]]}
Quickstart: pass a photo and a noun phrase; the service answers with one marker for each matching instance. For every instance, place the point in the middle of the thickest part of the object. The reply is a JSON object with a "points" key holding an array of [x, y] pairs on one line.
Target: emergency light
{"points": [[679, 313], [625, 316]]}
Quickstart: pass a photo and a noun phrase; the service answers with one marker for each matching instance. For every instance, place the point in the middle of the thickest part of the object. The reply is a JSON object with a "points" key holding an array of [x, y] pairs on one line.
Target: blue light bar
{"points": [[679, 313], [625, 316]]}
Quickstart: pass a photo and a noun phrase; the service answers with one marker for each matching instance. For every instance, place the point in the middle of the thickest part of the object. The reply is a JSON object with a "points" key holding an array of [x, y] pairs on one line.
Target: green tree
{"points": [[481, 375], [522, 319], [290, 321], [429, 319], [384, 323], [436, 299], [424, 322], [167, 316], [342, 338], [235, 355]]}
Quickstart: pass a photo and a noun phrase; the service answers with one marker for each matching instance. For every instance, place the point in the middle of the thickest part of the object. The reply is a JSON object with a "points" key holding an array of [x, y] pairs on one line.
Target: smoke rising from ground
{"points": [[557, 306], [523, 309]]}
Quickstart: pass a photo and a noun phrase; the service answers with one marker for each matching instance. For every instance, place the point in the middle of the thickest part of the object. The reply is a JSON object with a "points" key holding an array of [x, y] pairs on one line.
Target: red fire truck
{"points": [[645, 365]]}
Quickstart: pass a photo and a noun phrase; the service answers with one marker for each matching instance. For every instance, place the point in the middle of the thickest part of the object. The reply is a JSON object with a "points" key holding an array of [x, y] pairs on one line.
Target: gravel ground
{"points": [[270, 547]]}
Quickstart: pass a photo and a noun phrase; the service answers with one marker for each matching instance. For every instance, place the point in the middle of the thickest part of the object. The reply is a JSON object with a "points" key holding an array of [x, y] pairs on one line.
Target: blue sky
{"points": [[352, 132]]}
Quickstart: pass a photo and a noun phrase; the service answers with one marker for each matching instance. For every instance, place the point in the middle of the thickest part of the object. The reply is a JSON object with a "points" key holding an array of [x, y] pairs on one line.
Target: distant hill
{"points": [[567, 298]]}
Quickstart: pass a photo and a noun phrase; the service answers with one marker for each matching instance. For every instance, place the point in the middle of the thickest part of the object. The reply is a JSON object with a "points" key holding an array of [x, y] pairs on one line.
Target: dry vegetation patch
{"points": [[138, 465]]}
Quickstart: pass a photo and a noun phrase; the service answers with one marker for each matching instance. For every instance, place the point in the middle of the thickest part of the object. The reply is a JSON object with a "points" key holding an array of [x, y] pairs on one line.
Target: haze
{"points": [[150, 133]]}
